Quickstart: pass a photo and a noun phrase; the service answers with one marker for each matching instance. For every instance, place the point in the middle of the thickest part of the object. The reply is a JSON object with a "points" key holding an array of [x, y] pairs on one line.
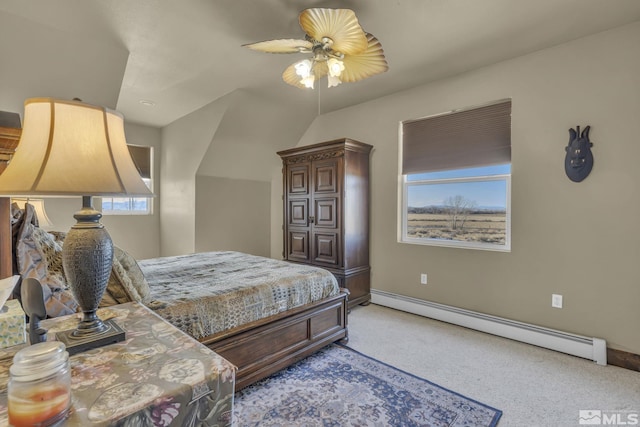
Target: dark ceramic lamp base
{"points": [[87, 256], [76, 343]]}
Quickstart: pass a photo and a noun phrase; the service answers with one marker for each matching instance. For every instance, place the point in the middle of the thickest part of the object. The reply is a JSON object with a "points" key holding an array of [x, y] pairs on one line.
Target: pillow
{"points": [[39, 255], [126, 282], [59, 236]]}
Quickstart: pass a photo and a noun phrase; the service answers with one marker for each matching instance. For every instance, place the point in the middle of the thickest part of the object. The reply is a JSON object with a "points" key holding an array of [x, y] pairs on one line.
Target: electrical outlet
{"points": [[556, 301], [423, 278]]}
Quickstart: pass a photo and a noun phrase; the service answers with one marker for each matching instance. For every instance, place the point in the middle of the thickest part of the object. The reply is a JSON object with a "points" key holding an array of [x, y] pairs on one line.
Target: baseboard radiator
{"points": [[588, 348]]}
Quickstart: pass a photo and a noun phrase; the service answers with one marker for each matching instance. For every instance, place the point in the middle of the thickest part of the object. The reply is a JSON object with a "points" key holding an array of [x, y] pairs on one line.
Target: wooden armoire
{"points": [[326, 211]]}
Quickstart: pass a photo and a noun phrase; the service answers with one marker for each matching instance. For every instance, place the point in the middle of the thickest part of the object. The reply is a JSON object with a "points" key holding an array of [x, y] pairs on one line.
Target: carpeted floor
{"points": [[533, 386], [338, 386]]}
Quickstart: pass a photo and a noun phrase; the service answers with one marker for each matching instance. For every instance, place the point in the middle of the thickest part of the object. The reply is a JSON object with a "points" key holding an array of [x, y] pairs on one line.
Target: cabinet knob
{"points": [[312, 219]]}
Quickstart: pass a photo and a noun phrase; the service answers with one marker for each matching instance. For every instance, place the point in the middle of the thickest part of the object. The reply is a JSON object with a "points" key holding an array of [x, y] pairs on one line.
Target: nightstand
{"points": [[158, 375]]}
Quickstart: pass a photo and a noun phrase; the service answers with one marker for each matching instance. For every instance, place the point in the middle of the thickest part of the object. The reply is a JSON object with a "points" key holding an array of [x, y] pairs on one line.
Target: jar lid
{"points": [[39, 360]]}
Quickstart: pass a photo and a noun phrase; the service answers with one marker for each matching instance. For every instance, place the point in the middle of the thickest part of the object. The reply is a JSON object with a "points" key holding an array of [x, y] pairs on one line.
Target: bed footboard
{"points": [[264, 347]]}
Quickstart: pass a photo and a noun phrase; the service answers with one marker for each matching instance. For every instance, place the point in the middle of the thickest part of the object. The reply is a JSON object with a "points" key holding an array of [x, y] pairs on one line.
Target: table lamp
{"points": [[38, 206], [69, 148]]}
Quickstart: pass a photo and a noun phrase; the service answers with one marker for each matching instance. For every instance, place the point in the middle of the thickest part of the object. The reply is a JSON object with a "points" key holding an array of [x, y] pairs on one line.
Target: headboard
{"points": [[9, 138]]}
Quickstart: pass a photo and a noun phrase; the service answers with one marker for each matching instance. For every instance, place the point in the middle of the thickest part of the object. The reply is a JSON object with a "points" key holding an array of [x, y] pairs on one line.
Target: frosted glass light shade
{"points": [[303, 68], [71, 148]]}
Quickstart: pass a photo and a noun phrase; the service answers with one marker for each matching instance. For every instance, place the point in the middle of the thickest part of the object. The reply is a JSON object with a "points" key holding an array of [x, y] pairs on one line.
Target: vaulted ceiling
{"points": [[156, 61]]}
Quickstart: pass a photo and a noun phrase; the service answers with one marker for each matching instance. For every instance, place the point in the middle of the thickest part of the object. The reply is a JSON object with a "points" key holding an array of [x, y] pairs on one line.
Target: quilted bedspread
{"points": [[210, 292]]}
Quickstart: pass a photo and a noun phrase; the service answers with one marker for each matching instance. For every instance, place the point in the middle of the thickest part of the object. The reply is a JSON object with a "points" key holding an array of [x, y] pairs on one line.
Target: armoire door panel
{"points": [[326, 212], [325, 177], [298, 246], [298, 179], [325, 247], [298, 212]]}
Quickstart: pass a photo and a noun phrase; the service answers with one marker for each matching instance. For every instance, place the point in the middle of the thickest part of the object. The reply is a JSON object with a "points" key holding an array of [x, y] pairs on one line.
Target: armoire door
{"points": [[326, 185], [298, 212]]}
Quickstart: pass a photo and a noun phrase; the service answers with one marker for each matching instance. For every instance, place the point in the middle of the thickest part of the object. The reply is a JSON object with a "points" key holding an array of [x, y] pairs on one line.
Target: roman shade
{"points": [[142, 159], [461, 139]]}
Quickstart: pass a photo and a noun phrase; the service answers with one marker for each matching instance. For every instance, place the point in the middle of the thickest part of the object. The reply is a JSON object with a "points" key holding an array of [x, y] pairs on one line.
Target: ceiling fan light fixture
{"points": [[308, 81], [303, 68], [340, 48], [333, 81], [336, 67]]}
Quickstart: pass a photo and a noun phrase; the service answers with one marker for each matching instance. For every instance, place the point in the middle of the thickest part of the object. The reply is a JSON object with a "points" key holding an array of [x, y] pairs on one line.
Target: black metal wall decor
{"points": [[578, 161]]}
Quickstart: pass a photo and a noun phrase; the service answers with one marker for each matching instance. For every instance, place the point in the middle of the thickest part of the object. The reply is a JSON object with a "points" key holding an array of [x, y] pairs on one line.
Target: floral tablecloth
{"points": [[158, 376]]}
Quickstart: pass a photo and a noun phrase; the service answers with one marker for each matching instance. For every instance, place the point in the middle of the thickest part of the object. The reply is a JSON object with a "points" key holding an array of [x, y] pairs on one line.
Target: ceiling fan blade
{"points": [[340, 25], [291, 77], [281, 46], [366, 64]]}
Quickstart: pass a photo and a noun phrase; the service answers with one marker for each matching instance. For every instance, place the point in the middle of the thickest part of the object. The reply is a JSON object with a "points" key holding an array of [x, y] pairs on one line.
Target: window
{"points": [[143, 159], [456, 179]]}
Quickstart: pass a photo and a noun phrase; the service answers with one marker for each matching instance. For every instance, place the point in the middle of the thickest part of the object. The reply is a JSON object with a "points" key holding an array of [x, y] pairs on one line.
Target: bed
{"points": [[258, 313]]}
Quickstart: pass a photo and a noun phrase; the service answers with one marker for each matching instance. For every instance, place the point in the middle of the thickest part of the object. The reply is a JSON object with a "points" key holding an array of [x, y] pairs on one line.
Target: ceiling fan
{"points": [[340, 49]]}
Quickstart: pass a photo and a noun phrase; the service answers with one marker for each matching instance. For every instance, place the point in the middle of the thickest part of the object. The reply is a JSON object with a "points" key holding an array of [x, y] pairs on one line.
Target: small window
{"points": [[143, 159], [456, 179]]}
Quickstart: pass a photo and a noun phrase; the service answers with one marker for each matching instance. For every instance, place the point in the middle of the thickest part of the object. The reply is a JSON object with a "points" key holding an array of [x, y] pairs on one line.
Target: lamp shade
{"points": [[71, 148], [38, 206]]}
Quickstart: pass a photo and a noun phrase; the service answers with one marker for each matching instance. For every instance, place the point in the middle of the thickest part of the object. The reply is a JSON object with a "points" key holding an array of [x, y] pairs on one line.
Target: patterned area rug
{"points": [[338, 386]]}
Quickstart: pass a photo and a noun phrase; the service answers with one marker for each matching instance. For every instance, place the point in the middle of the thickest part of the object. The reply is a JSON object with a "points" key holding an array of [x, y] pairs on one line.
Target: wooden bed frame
{"points": [[266, 346], [260, 348]]}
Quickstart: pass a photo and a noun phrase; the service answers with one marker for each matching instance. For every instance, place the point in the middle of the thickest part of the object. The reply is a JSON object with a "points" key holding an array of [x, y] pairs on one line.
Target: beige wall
{"points": [[233, 214], [184, 143], [576, 239]]}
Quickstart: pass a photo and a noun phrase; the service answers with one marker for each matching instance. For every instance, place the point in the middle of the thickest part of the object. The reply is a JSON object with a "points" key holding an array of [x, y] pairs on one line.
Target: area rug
{"points": [[338, 386]]}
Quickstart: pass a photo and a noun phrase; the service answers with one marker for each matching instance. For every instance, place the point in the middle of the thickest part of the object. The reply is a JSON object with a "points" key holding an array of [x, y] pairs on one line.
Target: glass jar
{"points": [[39, 390]]}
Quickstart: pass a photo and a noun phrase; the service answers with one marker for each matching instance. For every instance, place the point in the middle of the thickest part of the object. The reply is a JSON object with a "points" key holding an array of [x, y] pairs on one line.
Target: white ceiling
{"points": [[182, 55]]}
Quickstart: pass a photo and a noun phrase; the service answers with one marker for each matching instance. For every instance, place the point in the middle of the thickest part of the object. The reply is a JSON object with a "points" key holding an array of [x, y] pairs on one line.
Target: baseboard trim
{"points": [[586, 347], [457, 316], [623, 359]]}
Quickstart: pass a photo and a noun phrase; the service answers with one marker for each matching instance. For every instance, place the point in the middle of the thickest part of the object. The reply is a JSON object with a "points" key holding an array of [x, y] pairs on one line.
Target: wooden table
{"points": [[157, 376]]}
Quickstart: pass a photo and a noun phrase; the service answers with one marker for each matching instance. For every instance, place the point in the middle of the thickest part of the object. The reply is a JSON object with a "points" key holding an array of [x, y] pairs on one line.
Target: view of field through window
{"points": [[466, 205], [128, 205]]}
